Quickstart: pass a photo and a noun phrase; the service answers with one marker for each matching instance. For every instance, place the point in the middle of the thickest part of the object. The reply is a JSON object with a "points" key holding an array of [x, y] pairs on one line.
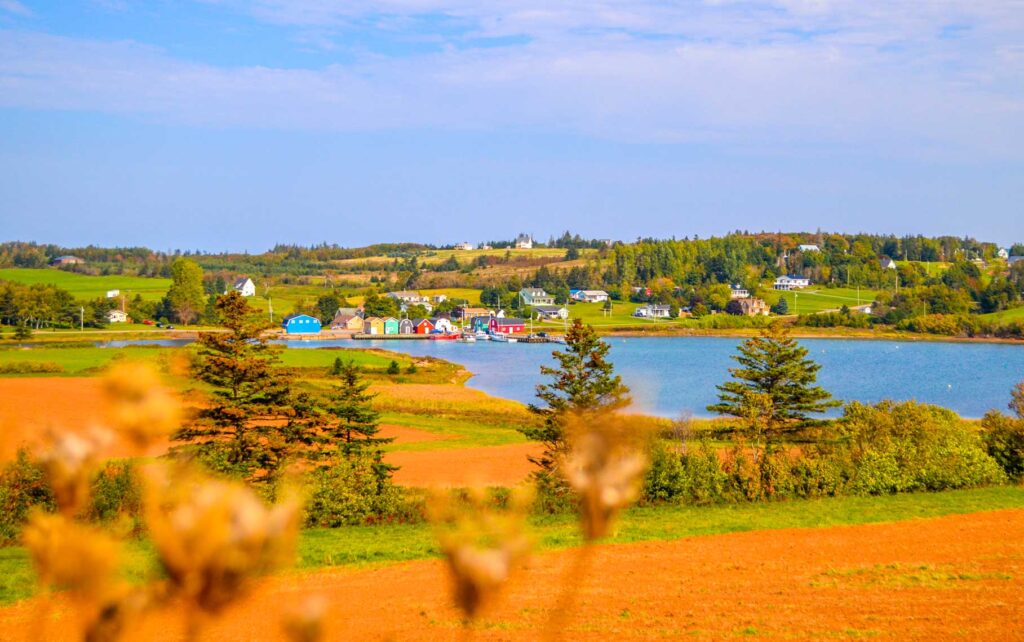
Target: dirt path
{"points": [[954, 577]]}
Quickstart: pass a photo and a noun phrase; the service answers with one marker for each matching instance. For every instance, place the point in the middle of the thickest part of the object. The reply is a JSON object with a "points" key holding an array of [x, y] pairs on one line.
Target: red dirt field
{"points": [[484, 466], [959, 577], [31, 405]]}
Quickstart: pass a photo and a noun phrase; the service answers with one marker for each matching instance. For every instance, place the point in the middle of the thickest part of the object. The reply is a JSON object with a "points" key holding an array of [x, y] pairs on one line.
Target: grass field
{"points": [[364, 545], [1013, 314], [77, 361], [814, 299], [90, 287]]}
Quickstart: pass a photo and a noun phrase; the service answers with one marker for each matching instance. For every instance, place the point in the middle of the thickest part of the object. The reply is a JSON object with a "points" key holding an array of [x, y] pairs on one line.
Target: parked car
{"points": [[170, 327], [147, 322], [159, 325]]}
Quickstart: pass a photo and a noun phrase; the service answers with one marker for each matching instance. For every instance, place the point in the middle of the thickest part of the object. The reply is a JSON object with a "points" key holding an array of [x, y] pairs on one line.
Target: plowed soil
{"points": [[484, 466], [959, 577], [30, 405]]}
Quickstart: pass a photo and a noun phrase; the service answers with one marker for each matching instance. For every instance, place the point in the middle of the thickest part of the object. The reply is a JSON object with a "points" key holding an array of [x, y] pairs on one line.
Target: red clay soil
{"points": [[959, 577], [31, 405], [483, 466]]}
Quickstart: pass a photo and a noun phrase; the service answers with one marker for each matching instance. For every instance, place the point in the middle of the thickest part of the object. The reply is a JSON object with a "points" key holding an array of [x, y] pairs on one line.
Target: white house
{"points": [[1003, 253], [439, 298], [536, 296], [484, 246], [590, 296], [738, 292], [653, 311], [551, 312], [791, 282], [524, 242], [409, 296], [464, 246], [113, 293], [117, 316], [887, 263], [245, 287], [810, 248]]}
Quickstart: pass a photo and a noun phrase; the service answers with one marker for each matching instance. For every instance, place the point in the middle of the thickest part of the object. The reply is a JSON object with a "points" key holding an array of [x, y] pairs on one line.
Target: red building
{"points": [[423, 326], [507, 326]]}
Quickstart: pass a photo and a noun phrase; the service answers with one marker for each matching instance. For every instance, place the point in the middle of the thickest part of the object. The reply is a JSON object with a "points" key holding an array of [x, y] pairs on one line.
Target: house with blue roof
{"points": [[301, 324]]}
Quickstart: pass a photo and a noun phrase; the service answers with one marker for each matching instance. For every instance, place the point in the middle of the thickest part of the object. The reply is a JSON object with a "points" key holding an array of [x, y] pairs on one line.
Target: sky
{"points": [[235, 125]]}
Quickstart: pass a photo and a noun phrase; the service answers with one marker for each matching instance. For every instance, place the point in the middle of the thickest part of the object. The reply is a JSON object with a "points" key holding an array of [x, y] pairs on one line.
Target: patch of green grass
{"points": [[463, 433], [817, 299], [360, 545], [77, 361], [82, 286], [324, 358], [1013, 314]]}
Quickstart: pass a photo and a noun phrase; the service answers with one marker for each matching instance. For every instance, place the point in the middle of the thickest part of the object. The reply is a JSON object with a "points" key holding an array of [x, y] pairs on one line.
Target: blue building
{"points": [[301, 324]]}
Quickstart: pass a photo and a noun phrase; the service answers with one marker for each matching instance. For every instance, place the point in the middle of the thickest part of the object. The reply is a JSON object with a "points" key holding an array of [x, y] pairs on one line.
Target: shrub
{"points": [[22, 486], [685, 476], [1004, 441], [31, 367], [393, 368], [116, 493], [904, 447], [350, 492]]}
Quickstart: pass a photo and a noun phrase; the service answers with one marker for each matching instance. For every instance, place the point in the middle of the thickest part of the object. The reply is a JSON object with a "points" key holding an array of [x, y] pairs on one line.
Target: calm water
{"points": [[670, 376]]}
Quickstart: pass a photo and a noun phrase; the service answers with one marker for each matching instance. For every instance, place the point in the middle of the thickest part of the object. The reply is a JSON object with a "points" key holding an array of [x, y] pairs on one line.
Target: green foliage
{"points": [[782, 307], [351, 492], [116, 493], [22, 331], [685, 476], [393, 368], [337, 367], [1004, 441], [774, 365], [380, 306], [31, 367], [412, 369], [23, 486], [186, 295], [353, 424]]}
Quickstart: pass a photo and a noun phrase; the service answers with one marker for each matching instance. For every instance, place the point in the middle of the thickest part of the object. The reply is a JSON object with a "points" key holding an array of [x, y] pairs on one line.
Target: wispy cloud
{"points": [[15, 7], [790, 72]]}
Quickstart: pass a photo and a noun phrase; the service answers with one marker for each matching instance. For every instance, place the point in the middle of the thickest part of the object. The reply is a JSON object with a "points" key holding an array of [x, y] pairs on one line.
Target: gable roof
{"points": [[508, 321], [242, 281], [547, 309], [291, 317]]}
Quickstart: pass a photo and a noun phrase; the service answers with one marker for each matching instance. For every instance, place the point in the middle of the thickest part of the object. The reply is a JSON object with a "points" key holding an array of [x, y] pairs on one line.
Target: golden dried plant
{"points": [[70, 461], [482, 543], [140, 407], [213, 537], [605, 463], [306, 622]]}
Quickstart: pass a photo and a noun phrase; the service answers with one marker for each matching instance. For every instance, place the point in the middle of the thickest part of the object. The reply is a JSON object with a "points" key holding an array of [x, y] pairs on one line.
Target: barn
{"points": [[423, 326], [301, 324], [507, 326]]}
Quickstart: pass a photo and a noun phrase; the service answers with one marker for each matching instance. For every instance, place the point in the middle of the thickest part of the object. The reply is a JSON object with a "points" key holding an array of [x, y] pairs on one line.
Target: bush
{"points": [[350, 493], [687, 476], [894, 448], [116, 494], [1004, 441], [22, 487], [393, 368], [31, 367]]}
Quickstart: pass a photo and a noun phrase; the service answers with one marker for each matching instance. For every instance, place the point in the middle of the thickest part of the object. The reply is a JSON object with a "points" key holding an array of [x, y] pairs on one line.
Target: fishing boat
{"points": [[482, 336], [468, 338], [445, 336]]}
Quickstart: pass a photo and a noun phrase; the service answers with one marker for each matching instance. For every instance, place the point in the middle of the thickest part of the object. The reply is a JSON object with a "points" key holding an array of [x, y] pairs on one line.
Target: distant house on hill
{"points": [[653, 311], [551, 312], [524, 242], [464, 246], [751, 307], [1003, 253], [301, 324], [886, 263], [791, 282], [113, 293], [409, 297], [536, 296], [589, 296], [117, 316], [245, 287], [67, 259], [738, 292], [809, 247]]}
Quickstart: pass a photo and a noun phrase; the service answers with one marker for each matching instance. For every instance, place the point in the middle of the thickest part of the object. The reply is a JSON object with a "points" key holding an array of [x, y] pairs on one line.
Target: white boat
{"points": [[468, 338], [482, 336]]}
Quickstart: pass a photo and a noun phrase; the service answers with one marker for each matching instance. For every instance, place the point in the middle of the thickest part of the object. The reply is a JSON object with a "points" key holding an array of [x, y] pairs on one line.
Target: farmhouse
{"points": [[589, 296], [1003, 253], [738, 292], [753, 307], [439, 298], [422, 326], [791, 283], [810, 248], [245, 287], [373, 325], [117, 316], [113, 293], [301, 324], [409, 296], [886, 263], [536, 296], [551, 312], [405, 326], [506, 326], [524, 242], [349, 322], [67, 259], [464, 246], [653, 311]]}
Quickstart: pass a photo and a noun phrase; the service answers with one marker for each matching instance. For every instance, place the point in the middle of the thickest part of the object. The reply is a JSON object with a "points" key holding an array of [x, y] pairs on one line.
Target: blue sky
{"points": [[223, 124]]}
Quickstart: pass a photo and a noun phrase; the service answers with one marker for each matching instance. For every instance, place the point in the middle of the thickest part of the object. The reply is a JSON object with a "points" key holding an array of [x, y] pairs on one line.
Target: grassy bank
{"points": [[362, 545]]}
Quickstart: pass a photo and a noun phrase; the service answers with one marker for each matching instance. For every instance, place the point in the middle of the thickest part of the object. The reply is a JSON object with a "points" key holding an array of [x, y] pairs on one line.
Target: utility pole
{"points": [[270, 308], [81, 318]]}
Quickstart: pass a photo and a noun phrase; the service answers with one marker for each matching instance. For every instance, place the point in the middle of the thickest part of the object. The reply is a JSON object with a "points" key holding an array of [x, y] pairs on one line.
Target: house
{"points": [[422, 326], [466, 313], [506, 326], [301, 324], [439, 298], [738, 292], [887, 263], [390, 325], [351, 312], [809, 248], [753, 307], [373, 325], [524, 242], [551, 312], [67, 259], [113, 293], [117, 316], [350, 322], [638, 291], [405, 326], [791, 283], [653, 311], [426, 306], [536, 296], [442, 324], [245, 287], [464, 246], [589, 296], [1003, 253], [409, 296], [484, 246]]}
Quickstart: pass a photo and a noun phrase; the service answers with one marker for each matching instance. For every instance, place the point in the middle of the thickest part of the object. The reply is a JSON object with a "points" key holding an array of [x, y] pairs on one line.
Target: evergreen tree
{"points": [[782, 307], [582, 382], [775, 368], [393, 368], [245, 428], [353, 425], [338, 366]]}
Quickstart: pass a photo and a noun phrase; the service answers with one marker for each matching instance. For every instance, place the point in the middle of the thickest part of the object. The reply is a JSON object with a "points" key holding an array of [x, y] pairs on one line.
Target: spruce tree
{"points": [[353, 425], [777, 377], [245, 428], [583, 381]]}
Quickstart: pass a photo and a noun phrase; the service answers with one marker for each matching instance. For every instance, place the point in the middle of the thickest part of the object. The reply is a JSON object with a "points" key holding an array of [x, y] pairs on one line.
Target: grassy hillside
{"points": [[90, 287]]}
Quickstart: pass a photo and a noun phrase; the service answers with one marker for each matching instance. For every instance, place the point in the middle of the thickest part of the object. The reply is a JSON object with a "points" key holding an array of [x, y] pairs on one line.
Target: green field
{"points": [[361, 545], [1013, 314], [89, 287], [817, 299]]}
